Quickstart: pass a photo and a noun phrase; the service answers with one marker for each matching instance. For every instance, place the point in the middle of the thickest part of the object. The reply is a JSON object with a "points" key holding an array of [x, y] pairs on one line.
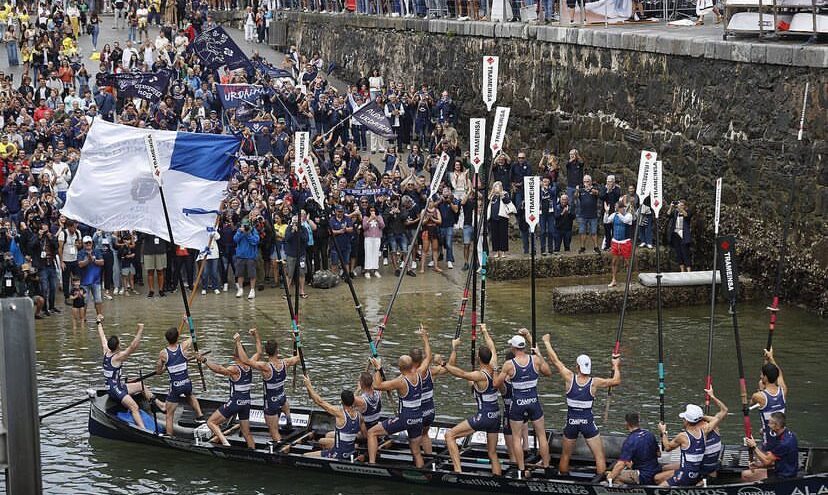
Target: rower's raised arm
{"points": [[455, 370], [780, 380], [490, 344], [133, 346], [553, 358], [101, 334], [543, 366], [613, 381], [715, 421], [319, 401], [426, 349], [258, 354], [379, 383]]}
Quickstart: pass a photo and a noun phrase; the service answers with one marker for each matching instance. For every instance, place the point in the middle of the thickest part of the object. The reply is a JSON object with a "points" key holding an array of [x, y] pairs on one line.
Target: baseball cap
{"points": [[339, 208], [584, 364], [33, 189], [692, 413], [245, 221], [517, 342], [105, 241], [86, 239]]}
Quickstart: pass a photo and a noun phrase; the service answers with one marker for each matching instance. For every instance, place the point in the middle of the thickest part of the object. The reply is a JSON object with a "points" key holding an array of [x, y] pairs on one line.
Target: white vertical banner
{"points": [[477, 143], [313, 182], [439, 172], [718, 205], [656, 200], [490, 69], [645, 168], [531, 200], [152, 154], [499, 130], [301, 154]]}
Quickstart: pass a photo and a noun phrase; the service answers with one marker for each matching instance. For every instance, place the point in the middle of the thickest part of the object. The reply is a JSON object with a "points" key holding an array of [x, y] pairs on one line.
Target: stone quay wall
{"points": [[709, 108]]}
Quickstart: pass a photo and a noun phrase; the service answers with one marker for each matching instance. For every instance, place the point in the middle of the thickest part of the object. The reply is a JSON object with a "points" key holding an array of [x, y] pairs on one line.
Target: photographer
{"points": [[11, 277], [91, 262], [30, 287], [246, 240], [44, 247], [681, 236]]}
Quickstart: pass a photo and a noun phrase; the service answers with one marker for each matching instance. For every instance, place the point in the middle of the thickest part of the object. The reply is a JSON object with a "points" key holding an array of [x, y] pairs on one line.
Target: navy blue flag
{"points": [[331, 68], [270, 71], [216, 48], [235, 95], [726, 245], [371, 116], [369, 192], [256, 126], [146, 85]]}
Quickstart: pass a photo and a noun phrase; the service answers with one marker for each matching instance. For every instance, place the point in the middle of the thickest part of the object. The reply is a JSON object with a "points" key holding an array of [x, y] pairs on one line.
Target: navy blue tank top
{"points": [[275, 385], [487, 399], [177, 367], [579, 399], [693, 455], [411, 402], [712, 452], [112, 373], [345, 437], [525, 381], [373, 406], [240, 389]]}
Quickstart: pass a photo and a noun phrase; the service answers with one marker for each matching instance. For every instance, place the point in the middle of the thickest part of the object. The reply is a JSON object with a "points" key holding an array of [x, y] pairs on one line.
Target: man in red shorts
{"points": [[621, 244]]}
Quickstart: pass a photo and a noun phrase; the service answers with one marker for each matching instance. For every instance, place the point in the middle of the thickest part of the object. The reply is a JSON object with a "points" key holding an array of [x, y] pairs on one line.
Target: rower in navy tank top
{"points": [[770, 398], [524, 370], [408, 385], [339, 443], [240, 376], [579, 418], [345, 437], [487, 417], [369, 401], [111, 364], [173, 357], [712, 453], [274, 374], [422, 359]]}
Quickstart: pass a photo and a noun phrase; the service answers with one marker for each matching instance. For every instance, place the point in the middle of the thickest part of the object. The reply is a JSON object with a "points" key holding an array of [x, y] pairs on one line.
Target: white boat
{"points": [[803, 23], [679, 279], [748, 22]]}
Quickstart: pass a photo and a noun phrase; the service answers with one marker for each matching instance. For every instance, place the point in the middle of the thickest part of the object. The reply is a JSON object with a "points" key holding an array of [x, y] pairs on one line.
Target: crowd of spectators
{"points": [[377, 189]]}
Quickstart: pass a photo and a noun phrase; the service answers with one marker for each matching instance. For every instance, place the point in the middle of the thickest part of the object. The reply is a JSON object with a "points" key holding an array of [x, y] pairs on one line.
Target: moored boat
{"points": [[110, 420]]}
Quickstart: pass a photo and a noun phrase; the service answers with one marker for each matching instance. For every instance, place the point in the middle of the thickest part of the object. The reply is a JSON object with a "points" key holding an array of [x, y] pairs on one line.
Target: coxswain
{"points": [[113, 361], [770, 397], [422, 359], [638, 462], [408, 385], [691, 441], [174, 358], [487, 418], [274, 374], [240, 377], [781, 461], [524, 370], [349, 424], [580, 388], [369, 401]]}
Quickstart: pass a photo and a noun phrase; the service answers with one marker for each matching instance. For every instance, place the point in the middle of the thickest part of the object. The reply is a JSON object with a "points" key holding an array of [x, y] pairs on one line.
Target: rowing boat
{"points": [[109, 419]]}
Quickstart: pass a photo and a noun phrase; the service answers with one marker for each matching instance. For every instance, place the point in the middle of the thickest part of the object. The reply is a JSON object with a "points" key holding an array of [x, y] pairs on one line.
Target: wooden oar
{"points": [[709, 379], [616, 350], [90, 395], [780, 264], [730, 281], [287, 447], [225, 432]]}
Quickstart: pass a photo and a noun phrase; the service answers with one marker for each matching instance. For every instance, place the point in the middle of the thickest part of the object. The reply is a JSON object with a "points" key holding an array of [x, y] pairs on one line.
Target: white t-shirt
{"points": [[70, 250], [62, 174]]}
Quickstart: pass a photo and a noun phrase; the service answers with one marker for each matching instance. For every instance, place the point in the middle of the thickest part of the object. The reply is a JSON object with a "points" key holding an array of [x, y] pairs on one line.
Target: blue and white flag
{"points": [[114, 188], [270, 71], [149, 86], [217, 49], [373, 118], [235, 95]]}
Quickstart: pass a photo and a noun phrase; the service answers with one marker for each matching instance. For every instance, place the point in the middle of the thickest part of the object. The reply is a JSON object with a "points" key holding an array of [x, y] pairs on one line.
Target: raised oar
{"points": [[616, 350], [295, 315], [156, 174], [294, 321], [709, 379], [780, 264], [384, 321], [661, 386], [730, 280]]}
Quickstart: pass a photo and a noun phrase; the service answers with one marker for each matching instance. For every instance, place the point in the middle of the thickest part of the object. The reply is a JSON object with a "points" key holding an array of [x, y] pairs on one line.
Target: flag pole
{"points": [[156, 173], [296, 265], [709, 379], [473, 264]]}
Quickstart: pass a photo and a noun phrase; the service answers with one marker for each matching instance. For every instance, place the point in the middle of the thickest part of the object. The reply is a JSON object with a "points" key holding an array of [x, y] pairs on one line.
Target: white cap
{"points": [[33, 189], [517, 342], [692, 413], [105, 241], [87, 239], [584, 364]]}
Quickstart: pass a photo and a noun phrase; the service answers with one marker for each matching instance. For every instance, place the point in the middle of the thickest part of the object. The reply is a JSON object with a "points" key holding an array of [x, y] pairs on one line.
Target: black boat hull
{"points": [[104, 424]]}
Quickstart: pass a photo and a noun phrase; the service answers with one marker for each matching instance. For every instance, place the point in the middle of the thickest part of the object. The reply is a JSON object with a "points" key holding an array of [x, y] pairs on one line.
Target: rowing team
{"points": [[359, 415]]}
